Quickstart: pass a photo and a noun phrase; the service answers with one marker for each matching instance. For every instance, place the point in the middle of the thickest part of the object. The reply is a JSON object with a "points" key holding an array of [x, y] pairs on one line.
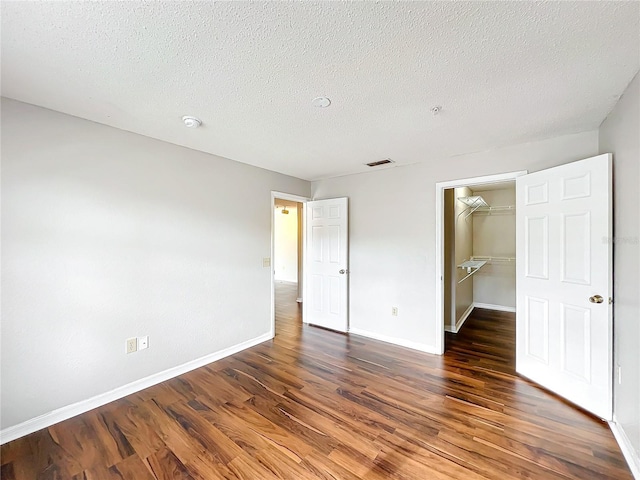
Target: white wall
{"points": [[463, 250], [285, 251], [495, 235], [392, 231], [108, 235], [620, 134]]}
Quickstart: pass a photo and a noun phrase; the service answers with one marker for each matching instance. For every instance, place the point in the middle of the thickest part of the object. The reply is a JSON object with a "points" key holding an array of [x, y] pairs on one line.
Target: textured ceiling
{"points": [[503, 72]]}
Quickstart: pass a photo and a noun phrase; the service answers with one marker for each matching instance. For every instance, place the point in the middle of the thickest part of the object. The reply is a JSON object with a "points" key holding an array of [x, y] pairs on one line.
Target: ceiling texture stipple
{"points": [[503, 72]]}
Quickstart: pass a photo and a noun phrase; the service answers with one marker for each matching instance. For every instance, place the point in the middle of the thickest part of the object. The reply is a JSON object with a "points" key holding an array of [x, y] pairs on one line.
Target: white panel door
{"points": [[564, 281], [326, 266]]}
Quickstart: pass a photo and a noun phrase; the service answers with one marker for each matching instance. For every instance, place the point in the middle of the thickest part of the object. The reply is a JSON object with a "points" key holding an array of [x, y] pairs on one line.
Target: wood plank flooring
{"points": [[314, 404]]}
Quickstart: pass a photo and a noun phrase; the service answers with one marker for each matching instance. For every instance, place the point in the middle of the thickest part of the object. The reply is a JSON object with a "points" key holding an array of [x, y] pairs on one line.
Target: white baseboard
{"points": [[46, 420], [465, 315], [461, 320], [630, 455], [490, 306], [395, 341]]}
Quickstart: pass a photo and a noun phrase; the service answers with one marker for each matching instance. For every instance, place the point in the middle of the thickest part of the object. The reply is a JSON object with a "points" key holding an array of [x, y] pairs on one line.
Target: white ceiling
{"points": [[503, 72]]}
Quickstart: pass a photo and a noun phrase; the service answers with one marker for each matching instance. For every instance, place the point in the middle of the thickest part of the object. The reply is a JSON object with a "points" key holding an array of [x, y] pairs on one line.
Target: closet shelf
{"points": [[474, 201], [478, 261], [477, 204], [488, 258], [490, 210], [471, 266]]}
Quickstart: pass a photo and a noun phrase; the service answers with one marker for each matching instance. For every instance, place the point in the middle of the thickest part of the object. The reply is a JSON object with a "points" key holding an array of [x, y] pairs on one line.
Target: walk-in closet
{"points": [[480, 249]]}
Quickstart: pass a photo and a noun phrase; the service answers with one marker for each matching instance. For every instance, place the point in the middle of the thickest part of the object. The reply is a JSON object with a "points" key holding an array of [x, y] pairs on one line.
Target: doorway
{"points": [[564, 278], [459, 258], [287, 254], [480, 275], [480, 249]]}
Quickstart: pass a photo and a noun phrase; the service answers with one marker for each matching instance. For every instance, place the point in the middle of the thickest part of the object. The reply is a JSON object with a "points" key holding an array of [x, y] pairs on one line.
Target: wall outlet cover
{"points": [[132, 345]]}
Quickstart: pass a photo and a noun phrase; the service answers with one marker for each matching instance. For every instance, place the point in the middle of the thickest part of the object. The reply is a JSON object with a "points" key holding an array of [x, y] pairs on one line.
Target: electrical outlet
{"points": [[266, 262], [394, 311], [132, 345], [143, 342]]}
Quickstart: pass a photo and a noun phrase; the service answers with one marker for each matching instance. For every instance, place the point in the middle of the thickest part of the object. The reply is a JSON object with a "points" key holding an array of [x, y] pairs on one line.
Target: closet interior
{"points": [[480, 250]]}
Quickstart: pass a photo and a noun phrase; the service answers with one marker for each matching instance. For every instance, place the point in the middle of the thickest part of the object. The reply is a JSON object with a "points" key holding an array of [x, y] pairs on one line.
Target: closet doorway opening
{"points": [[287, 262], [476, 242]]}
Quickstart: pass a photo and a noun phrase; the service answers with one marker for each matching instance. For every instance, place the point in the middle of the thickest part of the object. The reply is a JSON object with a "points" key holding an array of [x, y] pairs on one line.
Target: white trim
{"points": [[289, 196], [58, 415], [393, 340], [491, 306], [630, 455], [439, 280], [303, 201], [467, 313], [461, 320]]}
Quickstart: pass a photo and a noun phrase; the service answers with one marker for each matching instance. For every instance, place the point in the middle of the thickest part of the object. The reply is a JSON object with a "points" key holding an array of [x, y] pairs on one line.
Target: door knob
{"points": [[343, 271], [596, 299]]}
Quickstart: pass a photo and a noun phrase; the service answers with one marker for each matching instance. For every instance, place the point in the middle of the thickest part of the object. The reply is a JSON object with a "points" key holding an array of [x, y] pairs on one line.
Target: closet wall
{"points": [[494, 234], [463, 251]]}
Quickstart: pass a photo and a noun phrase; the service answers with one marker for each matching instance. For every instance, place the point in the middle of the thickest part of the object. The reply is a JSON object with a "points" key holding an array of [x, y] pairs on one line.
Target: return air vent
{"points": [[380, 162]]}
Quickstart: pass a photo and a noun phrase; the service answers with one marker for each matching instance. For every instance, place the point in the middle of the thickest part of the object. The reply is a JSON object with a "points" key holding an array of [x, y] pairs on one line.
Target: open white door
{"points": [[326, 264], [564, 281]]}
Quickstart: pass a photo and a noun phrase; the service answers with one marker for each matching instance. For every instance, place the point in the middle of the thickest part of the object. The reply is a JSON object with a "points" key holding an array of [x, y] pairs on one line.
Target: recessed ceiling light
{"points": [[191, 122], [321, 102]]}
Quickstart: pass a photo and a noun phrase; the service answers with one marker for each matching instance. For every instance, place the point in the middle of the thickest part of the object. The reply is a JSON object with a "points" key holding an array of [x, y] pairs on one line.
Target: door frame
{"points": [[293, 198], [439, 280]]}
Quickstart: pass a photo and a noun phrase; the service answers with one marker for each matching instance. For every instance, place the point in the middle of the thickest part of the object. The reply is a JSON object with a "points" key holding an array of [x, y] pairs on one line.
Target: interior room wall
{"points": [[392, 250], [285, 249], [463, 239], [619, 134], [108, 235], [495, 235]]}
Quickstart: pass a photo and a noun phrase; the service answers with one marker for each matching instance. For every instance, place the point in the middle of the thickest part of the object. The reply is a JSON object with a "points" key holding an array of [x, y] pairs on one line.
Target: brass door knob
{"points": [[596, 299]]}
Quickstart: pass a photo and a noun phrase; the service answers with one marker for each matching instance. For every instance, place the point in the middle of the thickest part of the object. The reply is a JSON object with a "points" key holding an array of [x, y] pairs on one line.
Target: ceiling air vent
{"points": [[379, 162]]}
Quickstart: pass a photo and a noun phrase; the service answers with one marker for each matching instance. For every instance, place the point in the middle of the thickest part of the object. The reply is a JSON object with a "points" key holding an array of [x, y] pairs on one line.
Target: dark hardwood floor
{"points": [[314, 404]]}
